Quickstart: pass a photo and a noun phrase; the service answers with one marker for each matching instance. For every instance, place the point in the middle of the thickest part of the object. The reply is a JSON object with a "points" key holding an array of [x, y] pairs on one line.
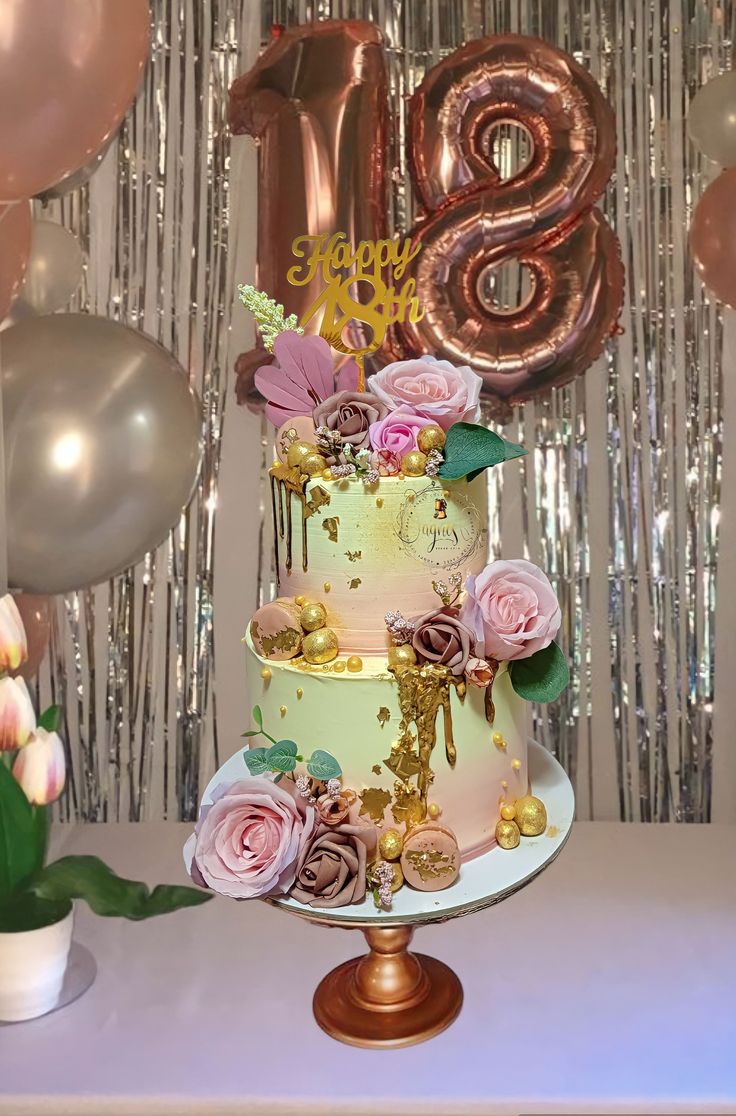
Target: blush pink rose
{"points": [[397, 432], [513, 610], [247, 843], [433, 388]]}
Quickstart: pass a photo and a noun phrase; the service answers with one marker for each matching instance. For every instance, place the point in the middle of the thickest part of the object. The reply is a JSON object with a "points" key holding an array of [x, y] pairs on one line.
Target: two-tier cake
{"points": [[390, 678]]}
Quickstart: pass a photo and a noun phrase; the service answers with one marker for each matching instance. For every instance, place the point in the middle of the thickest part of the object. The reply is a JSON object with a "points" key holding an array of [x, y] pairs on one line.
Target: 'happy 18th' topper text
{"points": [[378, 265]]}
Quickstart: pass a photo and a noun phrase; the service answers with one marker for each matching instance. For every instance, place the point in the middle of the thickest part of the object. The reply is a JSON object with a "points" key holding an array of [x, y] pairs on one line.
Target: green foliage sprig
{"points": [[283, 756], [269, 315], [470, 448]]}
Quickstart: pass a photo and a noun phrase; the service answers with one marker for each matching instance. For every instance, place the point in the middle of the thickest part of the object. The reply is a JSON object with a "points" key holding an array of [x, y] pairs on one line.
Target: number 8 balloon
{"points": [[541, 216]]}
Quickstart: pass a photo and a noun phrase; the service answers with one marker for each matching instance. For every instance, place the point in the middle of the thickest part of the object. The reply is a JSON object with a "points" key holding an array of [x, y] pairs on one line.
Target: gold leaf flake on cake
{"points": [[285, 640], [355, 582], [374, 801], [383, 715], [553, 831], [408, 806], [318, 499], [292, 478], [404, 764], [431, 863], [376, 769], [331, 525], [353, 555]]}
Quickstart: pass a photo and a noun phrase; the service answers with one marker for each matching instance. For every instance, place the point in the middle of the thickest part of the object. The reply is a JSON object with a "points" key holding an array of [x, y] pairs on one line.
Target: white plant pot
{"points": [[32, 968]]}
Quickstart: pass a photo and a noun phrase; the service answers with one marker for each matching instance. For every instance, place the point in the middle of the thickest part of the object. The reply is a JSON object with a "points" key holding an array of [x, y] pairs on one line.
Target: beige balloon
{"points": [[711, 121], [54, 268], [102, 448]]}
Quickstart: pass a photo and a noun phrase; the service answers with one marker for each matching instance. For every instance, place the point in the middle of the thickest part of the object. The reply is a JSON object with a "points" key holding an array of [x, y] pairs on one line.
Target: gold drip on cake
{"points": [[285, 483]]}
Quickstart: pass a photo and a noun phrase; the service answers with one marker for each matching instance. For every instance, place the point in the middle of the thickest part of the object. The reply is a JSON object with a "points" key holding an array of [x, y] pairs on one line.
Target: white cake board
{"points": [[482, 882]]}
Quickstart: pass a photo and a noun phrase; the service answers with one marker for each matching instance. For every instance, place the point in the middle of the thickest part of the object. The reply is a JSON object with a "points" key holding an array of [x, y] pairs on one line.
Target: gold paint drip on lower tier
{"points": [[422, 692]]}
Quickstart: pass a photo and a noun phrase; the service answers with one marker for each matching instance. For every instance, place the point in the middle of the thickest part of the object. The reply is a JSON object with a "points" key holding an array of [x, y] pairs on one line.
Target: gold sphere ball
{"points": [[507, 834], [391, 844], [327, 475], [297, 452], [314, 465], [339, 666], [320, 647], [413, 463], [396, 882], [431, 438], [434, 810], [266, 674], [313, 616], [300, 601], [401, 657], [508, 813], [354, 663], [531, 815]]}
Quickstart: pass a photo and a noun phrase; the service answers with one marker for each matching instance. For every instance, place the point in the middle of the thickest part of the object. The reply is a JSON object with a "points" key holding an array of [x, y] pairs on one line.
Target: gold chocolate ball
{"points": [[390, 844], [354, 664], [313, 616], [320, 646], [396, 882], [314, 465], [301, 601], [434, 810], [531, 815], [431, 438], [339, 666], [413, 463], [507, 834], [297, 452], [327, 475], [401, 657], [508, 813], [266, 674]]}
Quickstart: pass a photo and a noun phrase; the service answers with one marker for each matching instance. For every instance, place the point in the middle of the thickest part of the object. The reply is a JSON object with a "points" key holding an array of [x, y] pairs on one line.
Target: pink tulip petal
{"points": [[347, 377], [307, 360]]}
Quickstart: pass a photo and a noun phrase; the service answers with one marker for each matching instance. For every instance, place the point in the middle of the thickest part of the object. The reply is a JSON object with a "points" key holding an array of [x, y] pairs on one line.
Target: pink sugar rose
{"points": [[432, 388], [513, 610], [247, 843], [397, 432], [479, 672]]}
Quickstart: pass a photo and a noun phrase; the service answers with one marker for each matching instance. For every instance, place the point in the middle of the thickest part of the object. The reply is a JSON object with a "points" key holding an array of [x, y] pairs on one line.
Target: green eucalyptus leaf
{"points": [[470, 448], [541, 677], [19, 840], [282, 756], [321, 765], [252, 732], [257, 716], [88, 878], [256, 760], [50, 719]]}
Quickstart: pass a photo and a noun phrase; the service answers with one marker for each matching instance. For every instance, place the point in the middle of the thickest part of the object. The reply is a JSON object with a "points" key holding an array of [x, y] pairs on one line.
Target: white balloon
{"points": [[54, 269], [711, 121]]}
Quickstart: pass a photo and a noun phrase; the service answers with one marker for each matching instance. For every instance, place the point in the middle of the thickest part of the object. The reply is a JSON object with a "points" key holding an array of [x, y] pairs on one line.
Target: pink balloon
{"points": [[35, 612], [713, 237], [15, 245], [69, 70]]}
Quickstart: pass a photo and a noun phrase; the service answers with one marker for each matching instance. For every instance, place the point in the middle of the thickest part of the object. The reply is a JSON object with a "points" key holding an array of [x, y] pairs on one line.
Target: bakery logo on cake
{"points": [[442, 531]]}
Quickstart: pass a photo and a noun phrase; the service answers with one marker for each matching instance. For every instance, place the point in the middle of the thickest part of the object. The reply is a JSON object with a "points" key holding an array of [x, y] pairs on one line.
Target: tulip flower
{"points": [[40, 767], [17, 717], [13, 644]]}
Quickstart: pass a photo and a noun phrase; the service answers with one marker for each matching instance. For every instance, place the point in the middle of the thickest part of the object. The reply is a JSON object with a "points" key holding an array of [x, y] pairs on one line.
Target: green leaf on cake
{"points": [[257, 716], [283, 756], [541, 677], [469, 449], [321, 765], [252, 732], [256, 760]]}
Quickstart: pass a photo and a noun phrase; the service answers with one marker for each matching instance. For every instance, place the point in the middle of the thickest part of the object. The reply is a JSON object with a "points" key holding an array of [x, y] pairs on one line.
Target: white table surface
{"points": [[623, 951]]}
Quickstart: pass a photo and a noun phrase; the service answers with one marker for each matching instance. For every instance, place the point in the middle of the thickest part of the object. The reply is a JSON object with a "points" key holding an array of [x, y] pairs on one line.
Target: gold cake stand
{"points": [[392, 997]]}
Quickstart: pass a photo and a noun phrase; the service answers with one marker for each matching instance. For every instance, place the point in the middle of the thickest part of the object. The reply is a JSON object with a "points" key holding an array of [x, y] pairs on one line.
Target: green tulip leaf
{"points": [[470, 448], [88, 878], [50, 719], [21, 845], [542, 677]]}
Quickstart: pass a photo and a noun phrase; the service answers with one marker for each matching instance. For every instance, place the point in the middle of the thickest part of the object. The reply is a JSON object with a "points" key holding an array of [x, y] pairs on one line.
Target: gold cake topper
{"points": [[375, 265]]}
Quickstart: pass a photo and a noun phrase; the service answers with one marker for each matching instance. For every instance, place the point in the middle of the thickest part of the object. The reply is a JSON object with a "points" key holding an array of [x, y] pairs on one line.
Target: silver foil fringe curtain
{"points": [[619, 499], [132, 661]]}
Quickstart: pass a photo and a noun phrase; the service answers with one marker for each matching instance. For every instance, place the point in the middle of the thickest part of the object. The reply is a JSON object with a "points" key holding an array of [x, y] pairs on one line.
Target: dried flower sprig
{"points": [[383, 894], [269, 315], [434, 461], [400, 629], [450, 591]]}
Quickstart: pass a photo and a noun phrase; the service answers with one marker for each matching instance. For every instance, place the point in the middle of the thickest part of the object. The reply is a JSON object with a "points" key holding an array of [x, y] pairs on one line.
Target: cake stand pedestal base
{"points": [[388, 997]]}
